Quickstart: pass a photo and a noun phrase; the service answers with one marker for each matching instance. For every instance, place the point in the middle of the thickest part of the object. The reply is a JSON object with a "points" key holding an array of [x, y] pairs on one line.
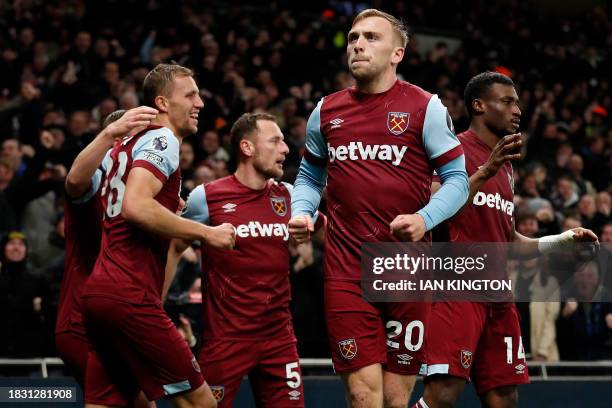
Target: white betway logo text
{"points": [[359, 151], [494, 201], [256, 229]]}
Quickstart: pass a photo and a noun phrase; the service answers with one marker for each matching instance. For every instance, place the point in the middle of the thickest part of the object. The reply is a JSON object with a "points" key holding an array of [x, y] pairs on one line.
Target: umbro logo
{"points": [[229, 207], [336, 123], [404, 359], [520, 369], [294, 395]]}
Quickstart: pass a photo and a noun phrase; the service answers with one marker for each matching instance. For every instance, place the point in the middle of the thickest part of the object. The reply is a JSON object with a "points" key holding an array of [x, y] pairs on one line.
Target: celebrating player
{"points": [[477, 340], [376, 144], [135, 344], [247, 322], [83, 214]]}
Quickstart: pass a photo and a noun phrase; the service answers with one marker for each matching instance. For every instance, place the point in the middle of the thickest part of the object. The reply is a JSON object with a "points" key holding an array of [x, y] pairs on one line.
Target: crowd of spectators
{"points": [[67, 64]]}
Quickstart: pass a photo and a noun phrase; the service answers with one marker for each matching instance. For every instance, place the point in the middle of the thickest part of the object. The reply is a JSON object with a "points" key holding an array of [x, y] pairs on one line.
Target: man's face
{"points": [[10, 151], [501, 111], [586, 205], [78, 123], [586, 280], [566, 189], [184, 104], [270, 149], [15, 250], [528, 226], [373, 48], [210, 142], [186, 156], [570, 223]]}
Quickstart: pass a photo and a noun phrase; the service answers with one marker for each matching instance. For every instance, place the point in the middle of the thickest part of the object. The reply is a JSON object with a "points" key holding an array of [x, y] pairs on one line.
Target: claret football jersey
{"points": [[380, 151], [246, 289], [131, 264]]}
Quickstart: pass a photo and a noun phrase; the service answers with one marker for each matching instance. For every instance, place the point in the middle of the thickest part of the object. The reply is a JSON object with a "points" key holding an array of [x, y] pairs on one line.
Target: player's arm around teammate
{"points": [[88, 160]]}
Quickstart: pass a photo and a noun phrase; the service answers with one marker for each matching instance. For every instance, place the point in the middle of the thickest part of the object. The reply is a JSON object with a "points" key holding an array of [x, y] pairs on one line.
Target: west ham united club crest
{"points": [[348, 348], [397, 122], [279, 205], [466, 358], [218, 391]]}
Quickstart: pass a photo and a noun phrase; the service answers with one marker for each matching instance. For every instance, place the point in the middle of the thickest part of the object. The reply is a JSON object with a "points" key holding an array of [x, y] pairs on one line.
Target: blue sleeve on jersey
{"points": [[310, 179], [106, 162], [290, 189], [315, 143], [96, 180], [160, 148], [196, 207], [450, 197], [309, 185], [438, 132]]}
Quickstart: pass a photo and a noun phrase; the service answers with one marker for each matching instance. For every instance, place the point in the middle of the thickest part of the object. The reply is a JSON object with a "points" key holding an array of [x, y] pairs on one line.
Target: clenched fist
{"points": [[408, 227], [222, 236], [300, 228]]}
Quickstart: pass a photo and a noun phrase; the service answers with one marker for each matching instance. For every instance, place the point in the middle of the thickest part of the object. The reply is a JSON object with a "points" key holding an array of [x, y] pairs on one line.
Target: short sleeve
{"points": [[316, 149], [441, 143], [157, 151]]}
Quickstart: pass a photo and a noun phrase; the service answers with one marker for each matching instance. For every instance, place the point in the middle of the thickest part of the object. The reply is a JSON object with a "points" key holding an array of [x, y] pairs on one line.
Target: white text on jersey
{"points": [[494, 201], [256, 229], [359, 151]]}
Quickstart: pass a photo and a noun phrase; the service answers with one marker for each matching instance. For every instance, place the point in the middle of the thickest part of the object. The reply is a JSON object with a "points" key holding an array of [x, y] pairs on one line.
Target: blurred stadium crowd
{"points": [[67, 64]]}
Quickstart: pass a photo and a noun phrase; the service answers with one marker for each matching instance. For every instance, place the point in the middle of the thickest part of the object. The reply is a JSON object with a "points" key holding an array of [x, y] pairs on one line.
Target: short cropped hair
{"points": [[244, 126], [113, 117], [158, 80], [479, 85], [398, 26]]}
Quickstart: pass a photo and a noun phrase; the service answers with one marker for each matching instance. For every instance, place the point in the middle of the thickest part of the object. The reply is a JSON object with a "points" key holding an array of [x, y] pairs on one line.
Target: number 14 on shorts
{"points": [[520, 352]]}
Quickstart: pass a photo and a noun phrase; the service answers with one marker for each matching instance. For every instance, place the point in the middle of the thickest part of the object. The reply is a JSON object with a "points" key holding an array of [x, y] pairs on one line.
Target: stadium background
{"points": [[66, 64]]}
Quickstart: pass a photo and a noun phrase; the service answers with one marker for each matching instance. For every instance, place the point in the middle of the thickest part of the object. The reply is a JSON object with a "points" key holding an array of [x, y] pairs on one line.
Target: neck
{"points": [[247, 175], [483, 133], [164, 121], [377, 85]]}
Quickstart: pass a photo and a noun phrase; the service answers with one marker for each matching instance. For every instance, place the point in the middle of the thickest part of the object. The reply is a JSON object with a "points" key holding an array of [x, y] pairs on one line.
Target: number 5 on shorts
{"points": [[294, 380]]}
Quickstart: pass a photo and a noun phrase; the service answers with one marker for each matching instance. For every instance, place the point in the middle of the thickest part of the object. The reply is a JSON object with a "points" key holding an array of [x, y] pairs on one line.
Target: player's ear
{"points": [[246, 147], [478, 106], [398, 55], [161, 103]]}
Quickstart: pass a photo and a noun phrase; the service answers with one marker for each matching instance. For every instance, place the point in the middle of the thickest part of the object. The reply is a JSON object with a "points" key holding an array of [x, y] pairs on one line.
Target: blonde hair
{"points": [[398, 26], [158, 80]]}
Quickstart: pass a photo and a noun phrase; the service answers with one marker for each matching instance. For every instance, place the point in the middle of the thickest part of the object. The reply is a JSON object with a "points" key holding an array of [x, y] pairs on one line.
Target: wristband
{"points": [[556, 243]]}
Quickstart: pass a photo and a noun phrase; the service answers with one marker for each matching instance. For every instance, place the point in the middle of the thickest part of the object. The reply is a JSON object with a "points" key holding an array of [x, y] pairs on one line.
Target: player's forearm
{"points": [[150, 215], [476, 181], [86, 163], [308, 187], [524, 247], [451, 196]]}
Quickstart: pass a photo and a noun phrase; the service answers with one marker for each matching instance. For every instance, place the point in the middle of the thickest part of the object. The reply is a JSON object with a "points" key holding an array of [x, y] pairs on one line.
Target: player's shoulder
{"points": [[414, 92], [220, 185], [159, 137], [337, 98], [280, 188]]}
